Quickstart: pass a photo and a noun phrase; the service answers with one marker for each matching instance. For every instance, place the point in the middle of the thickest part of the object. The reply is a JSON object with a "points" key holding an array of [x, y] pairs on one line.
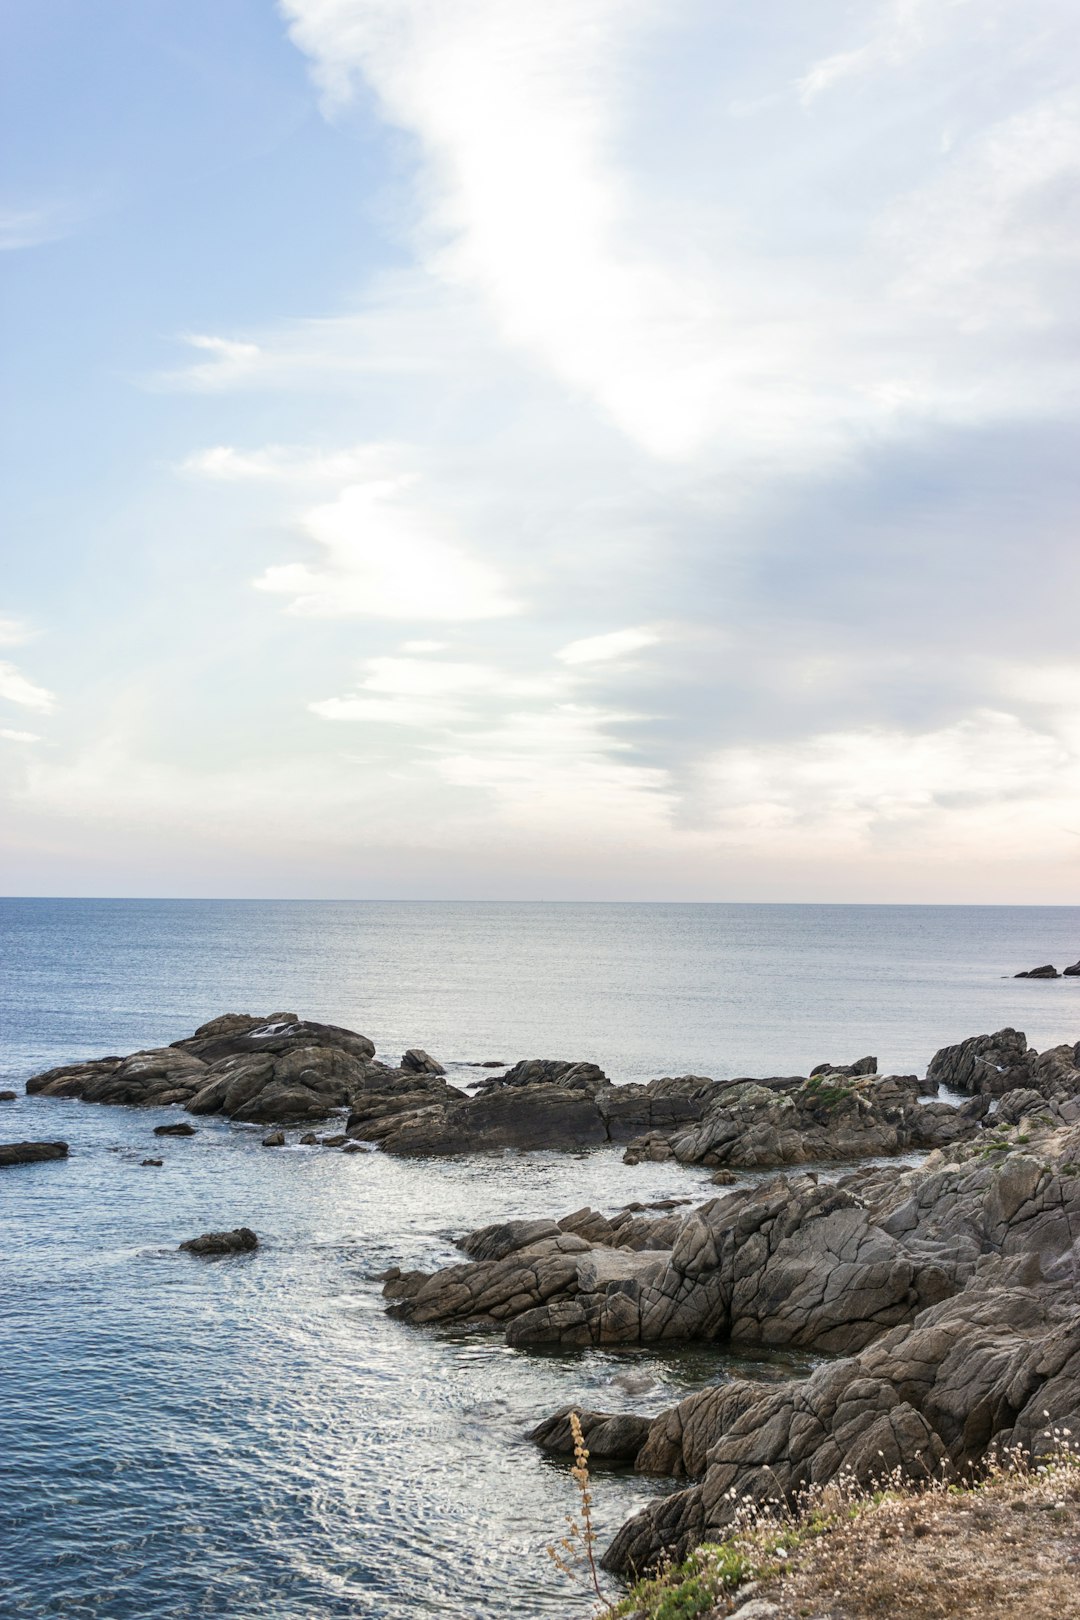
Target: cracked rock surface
{"points": [[946, 1295], [266, 1070]]}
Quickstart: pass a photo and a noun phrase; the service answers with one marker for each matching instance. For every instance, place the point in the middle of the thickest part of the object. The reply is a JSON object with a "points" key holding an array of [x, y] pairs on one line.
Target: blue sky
{"points": [[607, 449]]}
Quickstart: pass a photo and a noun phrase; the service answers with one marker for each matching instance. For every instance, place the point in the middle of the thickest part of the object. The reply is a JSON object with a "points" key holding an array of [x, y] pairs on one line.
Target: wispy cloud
{"points": [[286, 464], [607, 647], [385, 554], [15, 687]]}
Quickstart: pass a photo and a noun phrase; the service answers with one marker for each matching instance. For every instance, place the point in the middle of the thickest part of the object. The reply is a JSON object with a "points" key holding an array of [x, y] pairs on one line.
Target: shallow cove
{"points": [[251, 1436]]}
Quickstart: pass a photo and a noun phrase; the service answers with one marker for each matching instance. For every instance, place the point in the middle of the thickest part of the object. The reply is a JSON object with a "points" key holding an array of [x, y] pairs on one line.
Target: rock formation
{"points": [[1047, 971], [272, 1070], [31, 1152], [240, 1241], [836, 1114], [286, 1070], [948, 1291]]}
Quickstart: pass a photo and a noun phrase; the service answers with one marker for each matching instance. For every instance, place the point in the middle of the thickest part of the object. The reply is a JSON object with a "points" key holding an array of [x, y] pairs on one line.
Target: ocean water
{"points": [[252, 1437]]}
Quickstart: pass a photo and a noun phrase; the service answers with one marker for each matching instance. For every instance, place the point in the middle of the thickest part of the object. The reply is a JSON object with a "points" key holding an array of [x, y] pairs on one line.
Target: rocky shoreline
{"points": [[946, 1295]]}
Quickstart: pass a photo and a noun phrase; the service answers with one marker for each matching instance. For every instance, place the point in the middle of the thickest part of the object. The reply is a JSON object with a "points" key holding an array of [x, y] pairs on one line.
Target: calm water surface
{"points": [[251, 1437]]}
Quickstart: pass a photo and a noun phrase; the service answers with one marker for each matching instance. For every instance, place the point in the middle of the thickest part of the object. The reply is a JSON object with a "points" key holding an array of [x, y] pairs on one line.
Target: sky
{"points": [[609, 449]]}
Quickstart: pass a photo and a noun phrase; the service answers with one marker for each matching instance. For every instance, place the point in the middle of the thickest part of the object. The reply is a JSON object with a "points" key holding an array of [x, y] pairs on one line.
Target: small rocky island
{"points": [[945, 1295]]}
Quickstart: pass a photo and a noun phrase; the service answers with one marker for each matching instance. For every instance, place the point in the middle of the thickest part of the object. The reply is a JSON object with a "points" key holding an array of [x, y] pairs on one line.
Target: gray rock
{"points": [[12, 1153], [611, 1437], [263, 1070], [1047, 971], [182, 1128], [1071, 972], [239, 1241], [835, 1114], [275, 1139], [155, 1163], [417, 1061]]}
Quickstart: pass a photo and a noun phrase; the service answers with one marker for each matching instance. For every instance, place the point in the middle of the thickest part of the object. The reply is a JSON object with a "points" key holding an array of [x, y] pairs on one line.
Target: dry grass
{"points": [[1008, 1545]]}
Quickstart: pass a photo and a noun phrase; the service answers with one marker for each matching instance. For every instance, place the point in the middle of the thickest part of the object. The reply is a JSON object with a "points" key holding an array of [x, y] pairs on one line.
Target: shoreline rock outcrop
{"points": [[276, 1070], [945, 1295], [836, 1114]]}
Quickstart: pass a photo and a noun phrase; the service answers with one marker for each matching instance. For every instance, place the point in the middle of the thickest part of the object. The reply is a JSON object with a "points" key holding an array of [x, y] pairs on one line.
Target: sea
{"points": [[253, 1437]]}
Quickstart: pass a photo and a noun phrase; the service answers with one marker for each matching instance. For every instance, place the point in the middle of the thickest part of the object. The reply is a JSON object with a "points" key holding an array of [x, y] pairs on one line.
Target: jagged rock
{"points": [[568, 1076], [180, 1129], [1047, 971], [992, 1365], [611, 1437], [417, 1061], [835, 1114], [792, 1264], [866, 1065], [152, 1078], [542, 1103], [263, 1070], [153, 1163], [239, 1241], [12, 1153], [275, 1139], [991, 1065], [1071, 972]]}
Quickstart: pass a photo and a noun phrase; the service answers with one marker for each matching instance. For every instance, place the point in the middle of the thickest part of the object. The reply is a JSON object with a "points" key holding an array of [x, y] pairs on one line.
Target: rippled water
{"points": [[252, 1437]]}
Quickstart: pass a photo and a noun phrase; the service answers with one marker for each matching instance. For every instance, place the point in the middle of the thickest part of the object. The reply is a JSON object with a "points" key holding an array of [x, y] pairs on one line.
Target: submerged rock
{"points": [[156, 1163], [275, 1139], [8, 1096], [239, 1241], [179, 1129], [31, 1152], [1048, 971]]}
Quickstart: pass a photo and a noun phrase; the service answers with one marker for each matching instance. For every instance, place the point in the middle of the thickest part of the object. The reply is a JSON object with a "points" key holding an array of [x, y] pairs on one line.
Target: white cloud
{"points": [[987, 781], [995, 236], [285, 463], [385, 557], [233, 362], [602, 649], [17, 688], [901, 33], [432, 693], [19, 736], [515, 109], [423, 646]]}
